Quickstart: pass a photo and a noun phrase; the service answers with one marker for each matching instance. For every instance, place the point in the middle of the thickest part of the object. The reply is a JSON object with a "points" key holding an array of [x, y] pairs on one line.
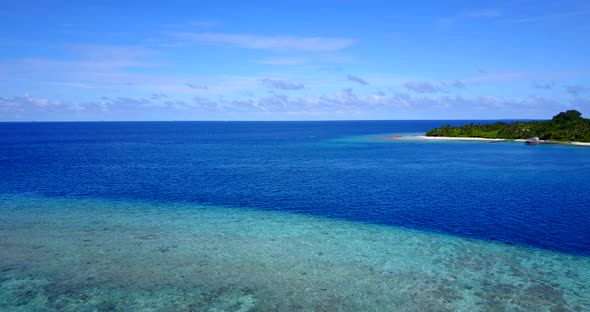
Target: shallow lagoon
{"points": [[94, 255], [316, 216]]}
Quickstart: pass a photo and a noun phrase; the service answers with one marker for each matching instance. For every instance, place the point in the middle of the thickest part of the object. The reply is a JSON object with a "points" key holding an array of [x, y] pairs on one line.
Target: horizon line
{"points": [[278, 120]]}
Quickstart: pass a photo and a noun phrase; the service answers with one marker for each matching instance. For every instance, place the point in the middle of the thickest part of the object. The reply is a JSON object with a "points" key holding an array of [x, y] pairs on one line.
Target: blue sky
{"points": [[293, 60]]}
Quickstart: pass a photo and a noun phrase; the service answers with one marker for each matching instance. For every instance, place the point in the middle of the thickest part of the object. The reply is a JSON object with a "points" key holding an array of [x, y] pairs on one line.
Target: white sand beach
{"points": [[579, 143], [423, 137], [440, 138]]}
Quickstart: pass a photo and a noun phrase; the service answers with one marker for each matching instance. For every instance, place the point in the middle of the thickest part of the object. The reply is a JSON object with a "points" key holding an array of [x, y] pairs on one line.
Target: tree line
{"points": [[565, 126]]}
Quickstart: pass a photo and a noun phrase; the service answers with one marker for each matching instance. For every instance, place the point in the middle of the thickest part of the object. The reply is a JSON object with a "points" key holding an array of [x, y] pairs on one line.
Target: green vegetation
{"points": [[565, 126]]}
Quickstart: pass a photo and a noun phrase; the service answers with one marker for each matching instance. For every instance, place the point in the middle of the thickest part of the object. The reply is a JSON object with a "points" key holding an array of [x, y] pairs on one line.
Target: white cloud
{"points": [[450, 21], [555, 16], [282, 84], [493, 76], [345, 103], [196, 87], [422, 86], [483, 13], [107, 52], [433, 87], [282, 61], [279, 43], [84, 58]]}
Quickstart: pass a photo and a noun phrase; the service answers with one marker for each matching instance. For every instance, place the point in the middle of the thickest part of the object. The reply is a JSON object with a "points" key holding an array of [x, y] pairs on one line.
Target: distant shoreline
{"points": [[441, 138], [568, 128]]}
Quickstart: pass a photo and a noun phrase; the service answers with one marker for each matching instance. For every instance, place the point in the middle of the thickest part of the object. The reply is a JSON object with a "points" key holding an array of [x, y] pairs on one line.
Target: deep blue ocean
{"points": [[509, 192]]}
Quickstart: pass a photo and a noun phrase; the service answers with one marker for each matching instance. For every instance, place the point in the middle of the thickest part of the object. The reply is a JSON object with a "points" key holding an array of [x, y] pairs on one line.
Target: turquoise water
{"points": [[320, 216], [93, 255]]}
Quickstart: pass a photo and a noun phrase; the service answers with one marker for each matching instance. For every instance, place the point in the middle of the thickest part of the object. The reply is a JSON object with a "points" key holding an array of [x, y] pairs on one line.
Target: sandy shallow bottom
{"points": [[90, 255], [397, 137]]}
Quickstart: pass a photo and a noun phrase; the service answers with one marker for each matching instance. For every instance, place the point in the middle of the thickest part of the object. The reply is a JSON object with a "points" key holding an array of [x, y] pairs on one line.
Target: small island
{"points": [[564, 127]]}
